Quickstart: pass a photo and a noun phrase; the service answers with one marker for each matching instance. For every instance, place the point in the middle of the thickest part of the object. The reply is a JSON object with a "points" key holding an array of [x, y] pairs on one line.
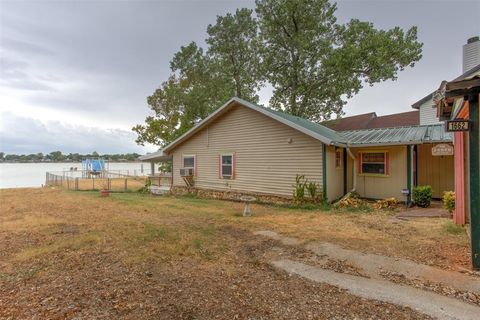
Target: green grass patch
{"points": [[452, 228], [307, 206]]}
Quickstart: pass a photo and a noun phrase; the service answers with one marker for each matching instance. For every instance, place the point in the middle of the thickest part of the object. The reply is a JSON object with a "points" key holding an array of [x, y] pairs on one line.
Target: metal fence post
{"points": [[76, 184]]}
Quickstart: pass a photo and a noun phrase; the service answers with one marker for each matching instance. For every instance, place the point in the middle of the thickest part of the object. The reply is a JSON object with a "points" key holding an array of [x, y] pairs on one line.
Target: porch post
{"points": [[152, 168], [345, 170], [459, 157], [324, 170], [474, 155], [409, 173]]}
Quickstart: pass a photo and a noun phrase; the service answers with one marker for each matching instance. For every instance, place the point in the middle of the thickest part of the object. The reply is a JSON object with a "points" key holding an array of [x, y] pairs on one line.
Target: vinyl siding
{"points": [[428, 114], [334, 176], [265, 161], [435, 171], [380, 187]]}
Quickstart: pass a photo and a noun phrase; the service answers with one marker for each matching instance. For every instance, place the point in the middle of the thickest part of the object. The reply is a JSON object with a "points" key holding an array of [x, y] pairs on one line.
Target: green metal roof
{"points": [[319, 129], [365, 137], [398, 136]]}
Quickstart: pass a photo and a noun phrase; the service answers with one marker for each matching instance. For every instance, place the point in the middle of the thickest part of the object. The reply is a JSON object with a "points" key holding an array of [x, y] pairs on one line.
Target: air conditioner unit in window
{"points": [[186, 172]]}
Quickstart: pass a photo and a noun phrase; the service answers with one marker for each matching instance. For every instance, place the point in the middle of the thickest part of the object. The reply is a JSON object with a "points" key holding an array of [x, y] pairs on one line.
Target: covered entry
{"points": [[389, 162], [434, 167]]}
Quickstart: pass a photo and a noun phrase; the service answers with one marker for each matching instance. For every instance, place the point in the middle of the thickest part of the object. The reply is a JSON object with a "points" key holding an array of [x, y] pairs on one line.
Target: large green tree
{"points": [[314, 63], [190, 94], [233, 47]]}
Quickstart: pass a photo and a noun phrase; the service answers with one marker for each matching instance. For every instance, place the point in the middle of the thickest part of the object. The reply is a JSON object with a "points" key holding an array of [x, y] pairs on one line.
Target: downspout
{"points": [[354, 185]]}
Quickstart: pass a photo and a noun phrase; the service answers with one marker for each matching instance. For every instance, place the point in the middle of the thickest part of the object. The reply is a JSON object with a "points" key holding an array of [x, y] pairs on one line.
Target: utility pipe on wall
{"points": [[354, 186]]}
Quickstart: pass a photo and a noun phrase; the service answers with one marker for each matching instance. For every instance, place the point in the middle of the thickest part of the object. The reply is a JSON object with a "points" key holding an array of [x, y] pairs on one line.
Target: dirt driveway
{"points": [[130, 256]]}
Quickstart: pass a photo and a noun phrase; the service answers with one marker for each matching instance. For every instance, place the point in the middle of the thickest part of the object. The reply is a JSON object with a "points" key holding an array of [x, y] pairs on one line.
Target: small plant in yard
{"points": [[449, 200], [312, 188], [299, 189], [453, 228], [146, 187], [422, 196]]}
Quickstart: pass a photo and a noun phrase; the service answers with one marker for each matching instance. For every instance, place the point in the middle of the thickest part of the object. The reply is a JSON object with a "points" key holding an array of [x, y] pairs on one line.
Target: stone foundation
{"points": [[229, 195]]}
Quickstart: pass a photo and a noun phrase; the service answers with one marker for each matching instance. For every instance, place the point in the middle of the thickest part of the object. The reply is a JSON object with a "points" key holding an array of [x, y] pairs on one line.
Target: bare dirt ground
{"points": [[131, 256]]}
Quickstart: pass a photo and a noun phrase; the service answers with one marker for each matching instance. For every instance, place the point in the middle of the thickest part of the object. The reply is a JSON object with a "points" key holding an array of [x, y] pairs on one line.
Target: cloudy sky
{"points": [[74, 76]]}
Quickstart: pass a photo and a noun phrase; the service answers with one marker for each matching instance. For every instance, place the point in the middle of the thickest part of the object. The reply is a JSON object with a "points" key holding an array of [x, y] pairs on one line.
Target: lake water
{"points": [[21, 175]]}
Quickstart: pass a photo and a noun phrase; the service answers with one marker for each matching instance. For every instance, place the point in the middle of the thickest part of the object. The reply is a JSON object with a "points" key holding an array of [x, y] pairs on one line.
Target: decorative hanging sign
{"points": [[457, 125], [442, 149]]}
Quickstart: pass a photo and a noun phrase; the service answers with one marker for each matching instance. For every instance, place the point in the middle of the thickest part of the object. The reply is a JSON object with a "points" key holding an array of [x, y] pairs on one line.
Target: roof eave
{"points": [[249, 105], [400, 143]]}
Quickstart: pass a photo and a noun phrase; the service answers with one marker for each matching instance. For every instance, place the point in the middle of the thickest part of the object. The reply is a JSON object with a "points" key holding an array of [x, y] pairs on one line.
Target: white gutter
{"points": [[354, 186]]}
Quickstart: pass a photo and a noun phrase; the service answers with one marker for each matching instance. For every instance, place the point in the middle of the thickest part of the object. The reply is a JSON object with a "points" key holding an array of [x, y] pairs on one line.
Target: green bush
{"points": [[449, 200], [422, 196]]}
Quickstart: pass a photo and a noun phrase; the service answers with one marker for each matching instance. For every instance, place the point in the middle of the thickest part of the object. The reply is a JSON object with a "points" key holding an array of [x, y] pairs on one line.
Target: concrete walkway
{"points": [[372, 264], [426, 302], [376, 287]]}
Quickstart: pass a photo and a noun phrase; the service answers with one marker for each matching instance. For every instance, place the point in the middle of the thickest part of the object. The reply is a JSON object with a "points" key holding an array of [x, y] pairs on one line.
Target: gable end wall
{"points": [[265, 160]]}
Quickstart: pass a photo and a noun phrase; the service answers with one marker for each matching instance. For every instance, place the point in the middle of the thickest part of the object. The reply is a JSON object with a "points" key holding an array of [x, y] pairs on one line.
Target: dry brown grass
{"points": [[77, 245], [187, 225], [116, 184]]}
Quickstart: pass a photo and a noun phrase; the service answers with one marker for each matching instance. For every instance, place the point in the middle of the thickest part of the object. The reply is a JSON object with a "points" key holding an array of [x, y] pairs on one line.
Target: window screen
{"points": [[227, 165], [189, 162], [373, 162]]}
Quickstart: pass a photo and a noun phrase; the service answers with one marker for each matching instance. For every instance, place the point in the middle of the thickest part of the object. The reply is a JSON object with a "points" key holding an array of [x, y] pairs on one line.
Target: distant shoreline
{"points": [[108, 161]]}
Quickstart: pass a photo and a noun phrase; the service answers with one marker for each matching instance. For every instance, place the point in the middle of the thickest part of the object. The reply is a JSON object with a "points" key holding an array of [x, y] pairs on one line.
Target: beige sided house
{"points": [[245, 148]]}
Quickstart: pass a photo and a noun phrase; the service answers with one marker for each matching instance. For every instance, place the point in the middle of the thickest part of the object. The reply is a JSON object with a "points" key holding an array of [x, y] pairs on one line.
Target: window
{"points": [[338, 158], [374, 163], [189, 162], [227, 166]]}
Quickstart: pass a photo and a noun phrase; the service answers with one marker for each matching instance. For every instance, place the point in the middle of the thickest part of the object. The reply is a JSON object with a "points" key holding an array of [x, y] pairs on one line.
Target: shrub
{"points": [[422, 196], [449, 200]]}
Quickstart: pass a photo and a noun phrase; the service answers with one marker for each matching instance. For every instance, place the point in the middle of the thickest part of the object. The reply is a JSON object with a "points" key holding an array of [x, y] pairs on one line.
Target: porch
{"points": [[161, 178]]}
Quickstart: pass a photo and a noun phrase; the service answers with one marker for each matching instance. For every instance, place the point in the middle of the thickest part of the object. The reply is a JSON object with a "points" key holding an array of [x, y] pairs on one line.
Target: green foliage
{"points": [[146, 187], [303, 187], [422, 196], [314, 63], [453, 228], [313, 191], [310, 206], [234, 49], [449, 200], [58, 156], [312, 188], [201, 82], [299, 189]]}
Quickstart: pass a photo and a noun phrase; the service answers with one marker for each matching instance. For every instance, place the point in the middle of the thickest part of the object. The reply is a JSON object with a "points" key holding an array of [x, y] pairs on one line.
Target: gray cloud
{"points": [[26, 47], [28, 135], [97, 61]]}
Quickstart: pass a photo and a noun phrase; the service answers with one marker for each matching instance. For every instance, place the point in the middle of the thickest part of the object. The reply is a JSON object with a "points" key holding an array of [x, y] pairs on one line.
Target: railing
{"points": [[116, 180], [106, 181]]}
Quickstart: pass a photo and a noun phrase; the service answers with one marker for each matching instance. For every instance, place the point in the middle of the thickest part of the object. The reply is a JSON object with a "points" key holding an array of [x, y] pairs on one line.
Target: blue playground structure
{"points": [[93, 167]]}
